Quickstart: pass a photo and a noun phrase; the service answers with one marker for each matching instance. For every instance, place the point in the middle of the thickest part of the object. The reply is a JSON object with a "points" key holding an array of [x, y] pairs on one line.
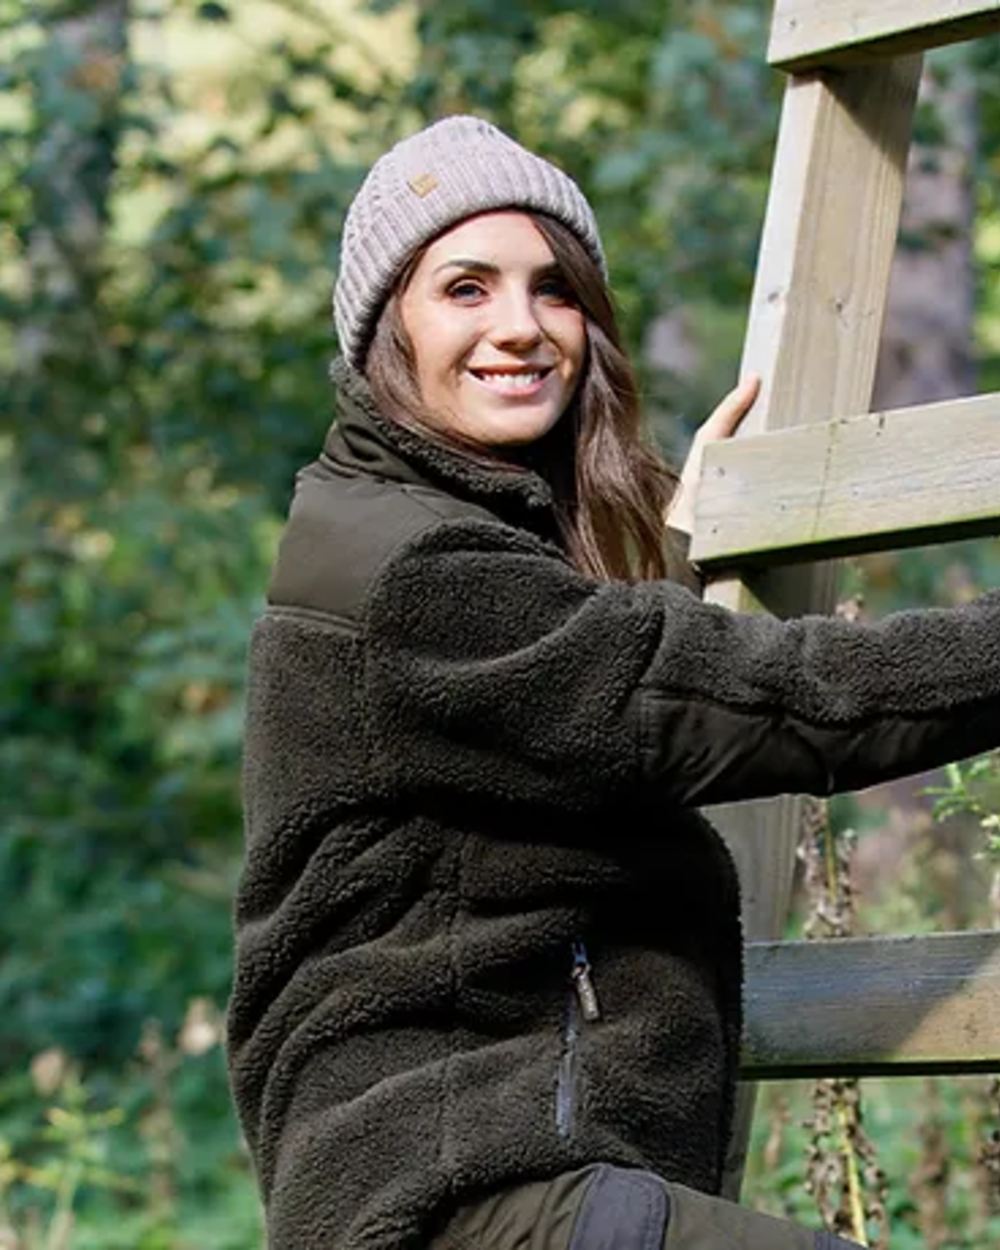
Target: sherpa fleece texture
{"points": [[462, 756]]}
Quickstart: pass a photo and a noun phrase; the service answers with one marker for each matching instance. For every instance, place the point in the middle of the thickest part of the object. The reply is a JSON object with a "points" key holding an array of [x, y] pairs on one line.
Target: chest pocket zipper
{"points": [[581, 1004]]}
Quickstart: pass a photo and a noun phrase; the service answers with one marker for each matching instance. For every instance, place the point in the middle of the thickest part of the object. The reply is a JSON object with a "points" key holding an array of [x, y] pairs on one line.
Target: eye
{"points": [[465, 290], [555, 288]]}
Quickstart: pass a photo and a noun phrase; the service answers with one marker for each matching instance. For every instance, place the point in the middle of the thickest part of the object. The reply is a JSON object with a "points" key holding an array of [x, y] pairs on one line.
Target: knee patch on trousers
{"points": [[623, 1209], [629, 1209], [829, 1241]]}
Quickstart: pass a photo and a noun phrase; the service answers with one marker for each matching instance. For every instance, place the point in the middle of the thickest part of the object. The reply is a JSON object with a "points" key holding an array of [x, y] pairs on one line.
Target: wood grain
{"points": [[806, 34], [873, 1006], [815, 320], [876, 482]]}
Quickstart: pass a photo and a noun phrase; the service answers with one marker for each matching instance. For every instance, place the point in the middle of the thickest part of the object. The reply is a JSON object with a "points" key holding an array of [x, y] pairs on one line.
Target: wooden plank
{"points": [[876, 482], [897, 1006], [806, 34], [815, 317]]}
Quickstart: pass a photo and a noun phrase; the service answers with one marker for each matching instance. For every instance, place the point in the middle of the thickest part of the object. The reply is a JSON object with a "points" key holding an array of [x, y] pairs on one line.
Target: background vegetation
{"points": [[173, 178]]}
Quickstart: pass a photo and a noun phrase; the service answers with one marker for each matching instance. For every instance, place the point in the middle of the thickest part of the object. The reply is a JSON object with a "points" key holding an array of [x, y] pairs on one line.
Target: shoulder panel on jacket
{"points": [[342, 528]]}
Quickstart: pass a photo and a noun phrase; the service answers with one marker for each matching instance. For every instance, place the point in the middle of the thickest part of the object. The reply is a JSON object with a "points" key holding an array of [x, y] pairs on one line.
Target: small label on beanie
{"points": [[423, 184]]}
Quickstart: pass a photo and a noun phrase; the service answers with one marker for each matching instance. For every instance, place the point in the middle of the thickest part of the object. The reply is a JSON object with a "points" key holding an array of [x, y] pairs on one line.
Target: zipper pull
{"points": [[584, 983]]}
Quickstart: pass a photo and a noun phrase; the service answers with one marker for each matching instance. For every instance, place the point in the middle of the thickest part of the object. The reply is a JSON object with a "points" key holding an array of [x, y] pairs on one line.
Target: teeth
{"points": [[509, 379]]}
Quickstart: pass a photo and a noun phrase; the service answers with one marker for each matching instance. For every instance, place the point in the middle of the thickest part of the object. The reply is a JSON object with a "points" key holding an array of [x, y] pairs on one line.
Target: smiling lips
{"points": [[512, 380]]}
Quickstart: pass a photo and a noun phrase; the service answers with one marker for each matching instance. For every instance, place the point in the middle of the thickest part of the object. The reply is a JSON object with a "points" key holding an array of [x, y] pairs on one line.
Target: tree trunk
{"points": [[76, 96], [927, 343]]}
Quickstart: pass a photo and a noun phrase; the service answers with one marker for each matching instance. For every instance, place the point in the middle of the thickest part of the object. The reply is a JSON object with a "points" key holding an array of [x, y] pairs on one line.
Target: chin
{"points": [[510, 431]]}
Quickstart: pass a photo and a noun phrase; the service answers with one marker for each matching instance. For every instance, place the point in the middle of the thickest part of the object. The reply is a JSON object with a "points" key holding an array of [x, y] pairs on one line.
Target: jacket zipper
{"points": [[581, 1001], [584, 984]]}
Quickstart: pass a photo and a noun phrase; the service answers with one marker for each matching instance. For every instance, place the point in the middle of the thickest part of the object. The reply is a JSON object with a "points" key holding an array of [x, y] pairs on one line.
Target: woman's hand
{"points": [[720, 424]]}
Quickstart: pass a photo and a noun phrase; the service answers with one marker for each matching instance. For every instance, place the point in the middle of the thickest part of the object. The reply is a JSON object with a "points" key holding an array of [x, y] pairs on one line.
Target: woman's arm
{"points": [[494, 668], [819, 704]]}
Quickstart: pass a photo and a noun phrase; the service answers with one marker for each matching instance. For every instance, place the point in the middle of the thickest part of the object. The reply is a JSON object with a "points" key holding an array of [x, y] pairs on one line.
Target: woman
{"points": [[489, 961]]}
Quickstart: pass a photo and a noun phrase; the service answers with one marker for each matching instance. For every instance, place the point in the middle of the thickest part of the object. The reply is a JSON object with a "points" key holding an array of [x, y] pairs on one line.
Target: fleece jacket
{"points": [[483, 935]]}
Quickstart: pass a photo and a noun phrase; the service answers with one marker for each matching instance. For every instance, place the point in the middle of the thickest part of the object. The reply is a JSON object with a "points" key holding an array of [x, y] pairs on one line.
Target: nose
{"points": [[515, 321]]}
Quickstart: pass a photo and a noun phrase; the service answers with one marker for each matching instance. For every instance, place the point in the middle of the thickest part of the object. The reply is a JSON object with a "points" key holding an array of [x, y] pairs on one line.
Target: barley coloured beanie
{"points": [[451, 170]]}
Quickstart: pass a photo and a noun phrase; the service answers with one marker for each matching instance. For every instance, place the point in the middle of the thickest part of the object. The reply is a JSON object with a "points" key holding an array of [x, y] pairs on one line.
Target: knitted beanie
{"points": [[451, 170]]}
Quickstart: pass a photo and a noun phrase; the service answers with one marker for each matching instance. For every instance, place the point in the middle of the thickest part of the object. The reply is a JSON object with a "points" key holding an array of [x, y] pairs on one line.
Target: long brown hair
{"points": [[611, 487]]}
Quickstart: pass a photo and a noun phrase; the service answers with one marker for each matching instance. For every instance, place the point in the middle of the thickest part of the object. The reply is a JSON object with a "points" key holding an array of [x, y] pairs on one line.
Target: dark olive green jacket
{"points": [[468, 766]]}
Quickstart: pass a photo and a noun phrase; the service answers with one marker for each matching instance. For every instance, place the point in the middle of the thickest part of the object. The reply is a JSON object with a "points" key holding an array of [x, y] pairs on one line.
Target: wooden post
{"points": [[815, 320]]}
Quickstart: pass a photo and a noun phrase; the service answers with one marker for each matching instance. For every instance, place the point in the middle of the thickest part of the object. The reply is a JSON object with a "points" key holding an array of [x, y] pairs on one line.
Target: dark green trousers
{"points": [[601, 1207]]}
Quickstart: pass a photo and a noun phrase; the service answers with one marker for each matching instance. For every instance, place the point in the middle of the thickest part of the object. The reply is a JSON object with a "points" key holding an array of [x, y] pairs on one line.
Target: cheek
{"points": [[444, 344], [572, 337]]}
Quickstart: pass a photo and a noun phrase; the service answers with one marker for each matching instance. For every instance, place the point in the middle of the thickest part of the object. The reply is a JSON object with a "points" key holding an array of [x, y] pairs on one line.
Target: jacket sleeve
{"points": [[494, 668], [679, 566]]}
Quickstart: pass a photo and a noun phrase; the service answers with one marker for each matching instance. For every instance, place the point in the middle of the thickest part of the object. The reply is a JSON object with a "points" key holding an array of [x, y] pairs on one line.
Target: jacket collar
{"points": [[363, 438]]}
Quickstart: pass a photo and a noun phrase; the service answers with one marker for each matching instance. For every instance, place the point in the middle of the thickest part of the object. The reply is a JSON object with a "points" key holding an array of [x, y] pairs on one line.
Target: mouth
{"points": [[512, 381]]}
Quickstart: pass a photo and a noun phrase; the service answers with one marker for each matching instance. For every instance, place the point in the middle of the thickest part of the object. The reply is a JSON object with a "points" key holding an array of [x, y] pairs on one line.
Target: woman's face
{"points": [[499, 343]]}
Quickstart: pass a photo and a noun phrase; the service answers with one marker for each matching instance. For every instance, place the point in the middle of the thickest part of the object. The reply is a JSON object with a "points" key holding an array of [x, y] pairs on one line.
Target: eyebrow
{"points": [[485, 266]]}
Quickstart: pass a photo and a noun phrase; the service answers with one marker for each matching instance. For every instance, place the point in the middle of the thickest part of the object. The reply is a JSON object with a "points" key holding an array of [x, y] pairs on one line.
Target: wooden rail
{"points": [[810, 33], [873, 1006], [877, 482]]}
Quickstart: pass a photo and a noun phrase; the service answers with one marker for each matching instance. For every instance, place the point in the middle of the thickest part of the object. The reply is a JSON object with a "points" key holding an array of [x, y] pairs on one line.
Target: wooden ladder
{"points": [[805, 480]]}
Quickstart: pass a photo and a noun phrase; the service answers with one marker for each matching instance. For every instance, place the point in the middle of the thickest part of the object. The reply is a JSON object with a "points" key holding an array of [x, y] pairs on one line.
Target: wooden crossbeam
{"points": [[810, 33], [876, 482], [895, 1006]]}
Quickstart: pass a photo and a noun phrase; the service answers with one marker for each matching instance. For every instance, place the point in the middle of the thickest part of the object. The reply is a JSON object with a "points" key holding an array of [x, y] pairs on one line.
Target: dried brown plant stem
{"points": [[988, 1157], [929, 1182], [988, 1160], [842, 1169]]}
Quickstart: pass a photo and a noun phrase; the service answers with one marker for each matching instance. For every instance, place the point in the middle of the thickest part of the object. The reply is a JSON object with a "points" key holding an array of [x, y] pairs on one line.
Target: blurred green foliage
{"points": [[169, 214], [929, 1134]]}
